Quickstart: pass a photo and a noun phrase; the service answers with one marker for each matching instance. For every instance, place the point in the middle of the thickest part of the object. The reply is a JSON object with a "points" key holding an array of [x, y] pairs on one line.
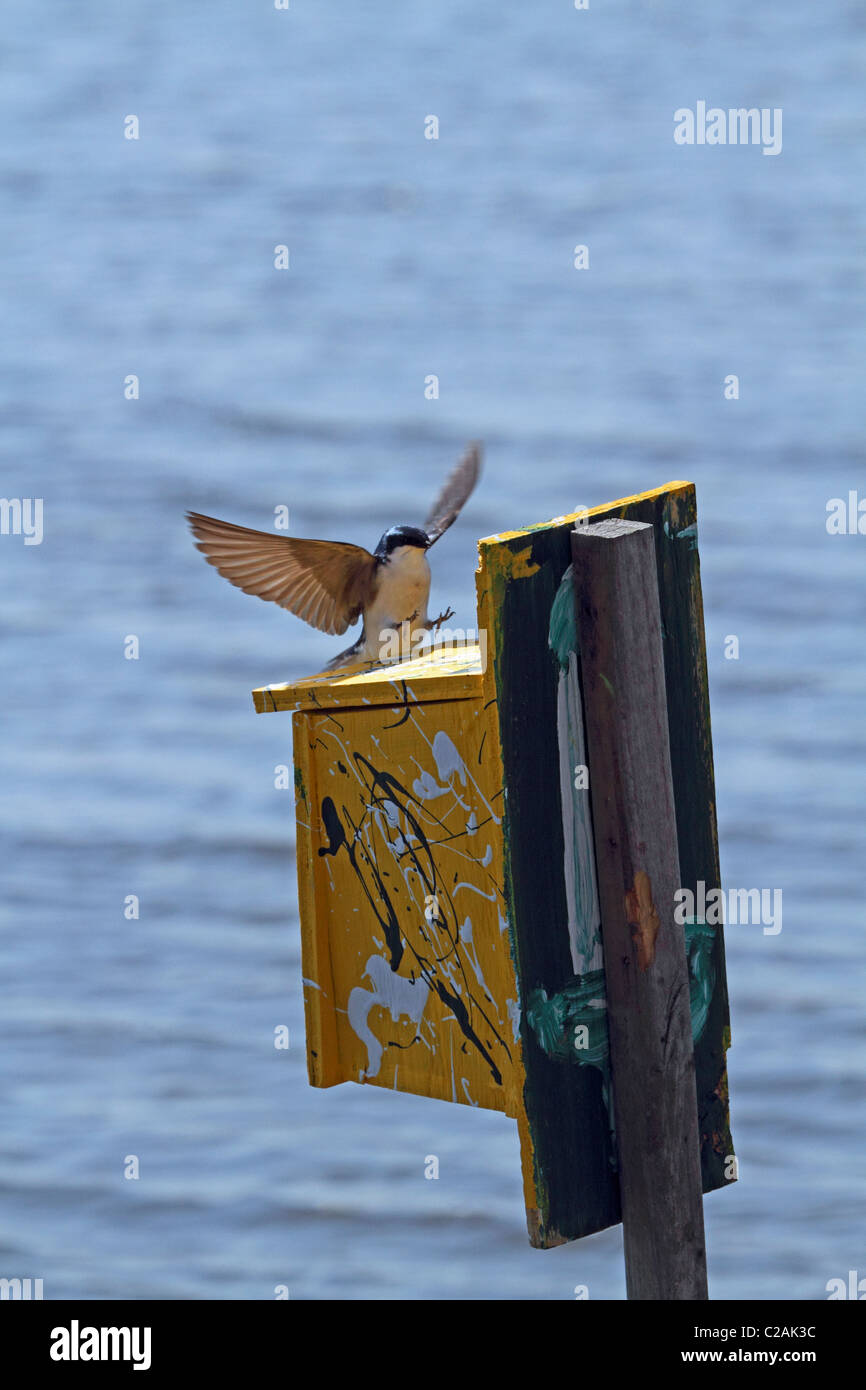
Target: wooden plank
{"points": [[525, 596], [323, 1057], [637, 859], [409, 983], [443, 673]]}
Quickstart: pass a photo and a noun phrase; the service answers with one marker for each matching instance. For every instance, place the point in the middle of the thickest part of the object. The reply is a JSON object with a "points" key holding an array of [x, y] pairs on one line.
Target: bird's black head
{"points": [[396, 536]]}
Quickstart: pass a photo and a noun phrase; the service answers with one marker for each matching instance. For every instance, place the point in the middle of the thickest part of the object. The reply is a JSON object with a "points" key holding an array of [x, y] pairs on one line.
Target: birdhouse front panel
{"points": [[408, 980]]}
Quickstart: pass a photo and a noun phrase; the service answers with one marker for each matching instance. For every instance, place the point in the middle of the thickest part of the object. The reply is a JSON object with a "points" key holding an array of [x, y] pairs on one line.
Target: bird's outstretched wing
{"points": [[457, 487], [324, 582]]}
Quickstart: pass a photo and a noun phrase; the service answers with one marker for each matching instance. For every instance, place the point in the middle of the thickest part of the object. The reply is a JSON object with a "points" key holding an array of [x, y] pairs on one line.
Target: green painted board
{"points": [[525, 600]]}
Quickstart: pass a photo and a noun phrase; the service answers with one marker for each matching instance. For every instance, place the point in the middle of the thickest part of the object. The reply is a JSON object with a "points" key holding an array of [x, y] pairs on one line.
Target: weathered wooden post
{"points": [[637, 857], [451, 921]]}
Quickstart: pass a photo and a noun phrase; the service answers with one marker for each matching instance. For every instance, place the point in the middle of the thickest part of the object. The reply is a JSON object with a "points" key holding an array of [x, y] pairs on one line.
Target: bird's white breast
{"points": [[401, 595]]}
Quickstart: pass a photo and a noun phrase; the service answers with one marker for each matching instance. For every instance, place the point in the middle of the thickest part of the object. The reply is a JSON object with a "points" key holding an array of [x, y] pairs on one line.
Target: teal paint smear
{"points": [[688, 533], [582, 1002], [702, 975], [555, 1021], [562, 632]]}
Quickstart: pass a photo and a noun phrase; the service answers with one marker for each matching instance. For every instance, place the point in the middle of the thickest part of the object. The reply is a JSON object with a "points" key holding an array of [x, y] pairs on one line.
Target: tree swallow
{"points": [[331, 584]]}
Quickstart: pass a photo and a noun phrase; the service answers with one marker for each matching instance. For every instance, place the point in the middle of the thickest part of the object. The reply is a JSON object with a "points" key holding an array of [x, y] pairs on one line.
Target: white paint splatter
{"points": [[390, 991], [491, 897], [465, 1084], [448, 761], [426, 787]]}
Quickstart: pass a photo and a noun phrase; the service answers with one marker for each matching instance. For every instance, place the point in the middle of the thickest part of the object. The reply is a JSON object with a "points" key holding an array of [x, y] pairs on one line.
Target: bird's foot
{"points": [[435, 623]]}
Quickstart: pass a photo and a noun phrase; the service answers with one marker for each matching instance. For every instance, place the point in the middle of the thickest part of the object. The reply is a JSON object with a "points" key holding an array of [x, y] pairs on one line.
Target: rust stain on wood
{"points": [[642, 917]]}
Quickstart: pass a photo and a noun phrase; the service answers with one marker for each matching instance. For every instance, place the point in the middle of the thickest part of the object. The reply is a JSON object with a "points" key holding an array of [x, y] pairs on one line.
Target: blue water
{"points": [[306, 388]]}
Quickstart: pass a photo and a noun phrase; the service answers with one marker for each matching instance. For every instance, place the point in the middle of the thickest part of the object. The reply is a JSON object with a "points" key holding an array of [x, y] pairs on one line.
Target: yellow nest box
{"points": [[450, 934]]}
